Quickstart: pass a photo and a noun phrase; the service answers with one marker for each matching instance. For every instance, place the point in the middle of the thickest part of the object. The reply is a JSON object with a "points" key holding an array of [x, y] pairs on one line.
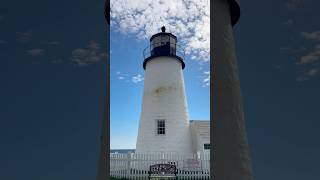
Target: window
{"points": [[161, 126], [156, 41], [172, 40], [206, 146], [164, 39], [172, 46]]}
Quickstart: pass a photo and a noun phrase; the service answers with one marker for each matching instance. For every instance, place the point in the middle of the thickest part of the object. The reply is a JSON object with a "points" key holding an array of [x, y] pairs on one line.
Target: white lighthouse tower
{"points": [[231, 148], [164, 121]]}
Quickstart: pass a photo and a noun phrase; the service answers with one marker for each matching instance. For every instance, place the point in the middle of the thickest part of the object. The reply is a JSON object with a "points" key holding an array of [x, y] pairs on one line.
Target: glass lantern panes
{"points": [[172, 40], [172, 46], [156, 41], [165, 39]]}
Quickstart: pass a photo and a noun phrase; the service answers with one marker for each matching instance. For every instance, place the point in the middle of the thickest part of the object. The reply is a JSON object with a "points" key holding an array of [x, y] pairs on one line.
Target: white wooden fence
{"points": [[136, 166]]}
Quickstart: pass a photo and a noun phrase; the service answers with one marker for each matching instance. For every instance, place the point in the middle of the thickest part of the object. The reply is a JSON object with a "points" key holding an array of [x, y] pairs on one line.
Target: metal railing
{"points": [[155, 49]]}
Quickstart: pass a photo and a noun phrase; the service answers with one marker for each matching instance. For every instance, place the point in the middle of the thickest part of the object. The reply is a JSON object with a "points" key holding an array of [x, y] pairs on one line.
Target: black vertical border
{"points": [[211, 93], [103, 172], [235, 16]]}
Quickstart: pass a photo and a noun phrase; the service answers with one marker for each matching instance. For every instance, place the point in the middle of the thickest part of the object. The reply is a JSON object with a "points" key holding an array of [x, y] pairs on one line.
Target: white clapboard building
{"points": [[164, 122]]}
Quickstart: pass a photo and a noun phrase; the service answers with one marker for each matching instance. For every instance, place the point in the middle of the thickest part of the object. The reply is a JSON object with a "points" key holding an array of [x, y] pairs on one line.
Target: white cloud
{"points": [[35, 52], [312, 72], [206, 80], [311, 57], [310, 61], [308, 74], [288, 22], [121, 76], [188, 19], [315, 36], [88, 55], [137, 78]]}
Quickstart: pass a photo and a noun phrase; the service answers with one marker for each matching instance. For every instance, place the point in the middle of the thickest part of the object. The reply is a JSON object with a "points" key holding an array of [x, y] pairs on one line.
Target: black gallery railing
{"points": [[163, 49]]}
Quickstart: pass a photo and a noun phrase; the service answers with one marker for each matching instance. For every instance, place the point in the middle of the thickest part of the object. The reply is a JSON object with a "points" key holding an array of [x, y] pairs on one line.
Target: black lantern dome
{"points": [[163, 44]]}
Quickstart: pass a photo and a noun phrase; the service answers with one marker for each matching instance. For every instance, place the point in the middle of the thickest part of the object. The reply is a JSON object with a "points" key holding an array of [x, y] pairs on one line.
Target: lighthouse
{"points": [[164, 125], [231, 148]]}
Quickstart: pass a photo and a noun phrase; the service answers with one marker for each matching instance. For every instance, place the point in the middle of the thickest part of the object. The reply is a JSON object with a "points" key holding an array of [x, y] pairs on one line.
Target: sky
{"points": [[277, 45], [53, 85], [53, 74]]}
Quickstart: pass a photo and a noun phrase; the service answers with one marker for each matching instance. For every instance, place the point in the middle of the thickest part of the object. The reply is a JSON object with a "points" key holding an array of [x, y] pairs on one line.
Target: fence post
{"points": [[128, 165]]}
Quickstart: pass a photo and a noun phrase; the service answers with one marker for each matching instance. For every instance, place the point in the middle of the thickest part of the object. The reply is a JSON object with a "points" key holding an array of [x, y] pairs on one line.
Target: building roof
{"points": [[199, 121]]}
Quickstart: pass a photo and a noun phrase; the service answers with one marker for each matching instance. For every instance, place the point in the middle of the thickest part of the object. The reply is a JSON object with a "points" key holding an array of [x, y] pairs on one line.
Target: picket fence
{"points": [[136, 166]]}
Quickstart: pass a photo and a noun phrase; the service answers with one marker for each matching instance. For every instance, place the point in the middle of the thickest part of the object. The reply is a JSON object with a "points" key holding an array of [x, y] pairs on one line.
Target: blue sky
{"points": [[51, 107], [280, 87], [52, 74]]}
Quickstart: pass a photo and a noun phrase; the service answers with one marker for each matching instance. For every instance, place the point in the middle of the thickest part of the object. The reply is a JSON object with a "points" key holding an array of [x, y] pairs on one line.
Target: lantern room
{"points": [[163, 44]]}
